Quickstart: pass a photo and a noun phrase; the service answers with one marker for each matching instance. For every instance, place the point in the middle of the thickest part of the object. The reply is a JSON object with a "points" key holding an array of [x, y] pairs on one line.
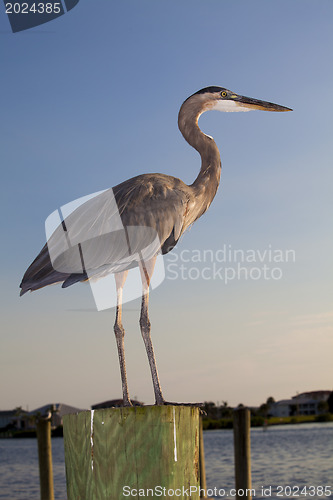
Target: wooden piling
{"points": [[43, 428], [242, 448], [114, 453], [203, 483]]}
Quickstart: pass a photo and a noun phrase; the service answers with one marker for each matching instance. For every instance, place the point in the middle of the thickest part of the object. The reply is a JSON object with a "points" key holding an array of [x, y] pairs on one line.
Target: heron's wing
{"points": [[112, 232], [122, 225], [60, 258]]}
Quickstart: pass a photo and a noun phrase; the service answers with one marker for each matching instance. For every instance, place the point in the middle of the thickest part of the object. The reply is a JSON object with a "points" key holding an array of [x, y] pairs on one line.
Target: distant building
{"points": [[19, 419], [58, 410], [7, 418], [281, 408], [317, 395], [13, 419], [307, 403]]}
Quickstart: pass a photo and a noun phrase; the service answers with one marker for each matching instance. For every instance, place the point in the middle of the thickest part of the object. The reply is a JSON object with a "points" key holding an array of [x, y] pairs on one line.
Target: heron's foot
{"points": [[170, 403]]}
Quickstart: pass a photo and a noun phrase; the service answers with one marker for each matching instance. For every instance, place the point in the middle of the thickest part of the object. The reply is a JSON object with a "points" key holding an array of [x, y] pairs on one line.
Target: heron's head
{"points": [[221, 99]]}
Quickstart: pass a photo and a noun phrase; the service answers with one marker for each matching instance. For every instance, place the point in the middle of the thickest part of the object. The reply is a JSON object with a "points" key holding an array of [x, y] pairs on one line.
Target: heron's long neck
{"points": [[206, 184]]}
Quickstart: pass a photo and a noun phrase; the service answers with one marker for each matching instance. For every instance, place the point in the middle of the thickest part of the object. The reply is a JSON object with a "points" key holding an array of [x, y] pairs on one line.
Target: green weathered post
{"points": [[203, 483], [114, 453], [242, 447]]}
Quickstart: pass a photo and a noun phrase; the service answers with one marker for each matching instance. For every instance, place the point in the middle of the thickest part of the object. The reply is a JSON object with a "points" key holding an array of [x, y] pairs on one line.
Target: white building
{"points": [[307, 403]]}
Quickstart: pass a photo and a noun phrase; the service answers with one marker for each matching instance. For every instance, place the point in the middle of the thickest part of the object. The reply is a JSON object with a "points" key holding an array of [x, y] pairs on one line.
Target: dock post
{"points": [[242, 447], [203, 483], [43, 429], [114, 453]]}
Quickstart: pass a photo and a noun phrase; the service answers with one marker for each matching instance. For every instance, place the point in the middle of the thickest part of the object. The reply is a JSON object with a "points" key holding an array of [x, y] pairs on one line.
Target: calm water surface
{"points": [[289, 455], [19, 473], [293, 455]]}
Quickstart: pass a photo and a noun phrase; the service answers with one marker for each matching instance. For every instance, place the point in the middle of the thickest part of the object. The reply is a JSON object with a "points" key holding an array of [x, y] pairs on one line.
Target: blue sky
{"points": [[91, 99]]}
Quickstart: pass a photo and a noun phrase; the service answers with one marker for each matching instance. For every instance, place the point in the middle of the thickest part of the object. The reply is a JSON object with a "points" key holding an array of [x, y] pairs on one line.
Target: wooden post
{"points": [[242, 446], [43, 428], [203, 483], [116, 452]]}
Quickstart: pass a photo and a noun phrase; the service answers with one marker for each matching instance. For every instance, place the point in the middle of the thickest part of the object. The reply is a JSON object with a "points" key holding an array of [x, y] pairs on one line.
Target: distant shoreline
{"points": [[226, 423], [207, 423]]}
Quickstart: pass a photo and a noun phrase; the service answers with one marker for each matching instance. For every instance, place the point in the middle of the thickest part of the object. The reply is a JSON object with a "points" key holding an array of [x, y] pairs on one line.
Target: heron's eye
{"points": [[223, 94]]}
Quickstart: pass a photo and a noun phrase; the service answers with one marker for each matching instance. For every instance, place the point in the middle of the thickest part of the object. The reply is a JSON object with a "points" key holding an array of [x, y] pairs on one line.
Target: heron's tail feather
{"points": [[74, 278], [41, 273]]}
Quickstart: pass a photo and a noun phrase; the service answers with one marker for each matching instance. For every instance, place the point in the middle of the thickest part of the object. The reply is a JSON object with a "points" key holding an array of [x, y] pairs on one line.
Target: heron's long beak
{"points": [[249, 103]]}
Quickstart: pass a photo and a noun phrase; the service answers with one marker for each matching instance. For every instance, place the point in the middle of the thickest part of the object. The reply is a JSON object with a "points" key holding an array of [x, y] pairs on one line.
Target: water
{"points": [[19, 473], [287, 456], [291, 455]]}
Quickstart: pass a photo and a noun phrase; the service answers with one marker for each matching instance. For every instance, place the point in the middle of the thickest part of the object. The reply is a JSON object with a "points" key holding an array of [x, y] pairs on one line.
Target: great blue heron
{"points": [[156, 201]]}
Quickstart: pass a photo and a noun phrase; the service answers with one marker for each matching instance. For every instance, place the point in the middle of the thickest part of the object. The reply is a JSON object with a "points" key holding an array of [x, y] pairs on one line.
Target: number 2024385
{"points": [[35, 8]]}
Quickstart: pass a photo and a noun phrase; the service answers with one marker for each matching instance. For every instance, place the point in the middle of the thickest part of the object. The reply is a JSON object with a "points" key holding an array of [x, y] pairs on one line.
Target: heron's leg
{"points": [[146, 269], [120, 333]]}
